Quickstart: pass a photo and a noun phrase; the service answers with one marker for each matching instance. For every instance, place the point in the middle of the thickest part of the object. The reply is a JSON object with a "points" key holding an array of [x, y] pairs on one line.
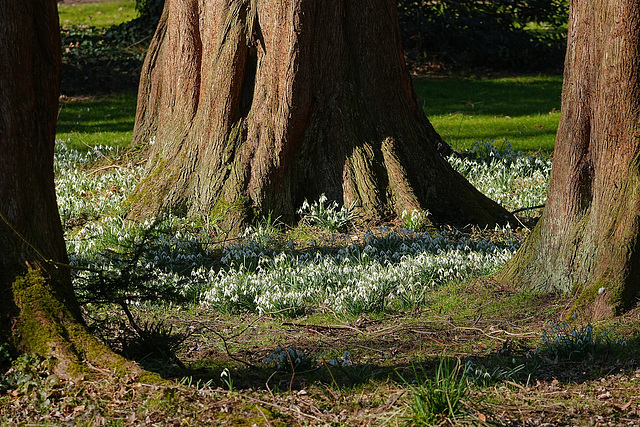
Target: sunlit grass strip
{"points": [[523, 109], [102, 121], [98, 14]]}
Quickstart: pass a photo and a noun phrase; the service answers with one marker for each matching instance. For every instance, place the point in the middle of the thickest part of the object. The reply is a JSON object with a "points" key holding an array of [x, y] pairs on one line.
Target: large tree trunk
{"points": [[30, 230], [38, 310], [586, 241], [252, 106]]}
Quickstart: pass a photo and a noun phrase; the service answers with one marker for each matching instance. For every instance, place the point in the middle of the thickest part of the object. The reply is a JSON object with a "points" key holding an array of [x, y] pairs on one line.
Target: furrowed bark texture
{"points": [[586, 240], [38, 310], [30, 230], [253, 106]]}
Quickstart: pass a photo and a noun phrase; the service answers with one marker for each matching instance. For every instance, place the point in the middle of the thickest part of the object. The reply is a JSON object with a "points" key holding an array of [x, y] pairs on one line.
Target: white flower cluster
{"points": [[385, 269], [290, 359], [328, 216], [510, 178], [389, 271], [86, 194], [415, 220]]}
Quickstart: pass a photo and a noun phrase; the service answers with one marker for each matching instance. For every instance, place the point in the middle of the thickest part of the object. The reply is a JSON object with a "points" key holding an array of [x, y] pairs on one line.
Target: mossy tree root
{"points": [[46, 327]]}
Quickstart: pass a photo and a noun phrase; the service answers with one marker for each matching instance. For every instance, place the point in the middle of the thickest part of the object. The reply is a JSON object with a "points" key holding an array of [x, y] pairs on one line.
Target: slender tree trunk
{"points": [[586, 241], [38, 310], [252, 106]]}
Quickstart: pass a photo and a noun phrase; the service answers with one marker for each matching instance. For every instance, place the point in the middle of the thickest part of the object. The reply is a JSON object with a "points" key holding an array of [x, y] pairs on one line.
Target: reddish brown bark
{"points": [[256, 105], [586, 241], [38, 309], [30, 230]]}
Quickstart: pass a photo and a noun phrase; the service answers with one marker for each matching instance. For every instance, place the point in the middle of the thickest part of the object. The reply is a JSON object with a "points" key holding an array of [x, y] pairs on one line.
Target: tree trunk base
{"points": [[46, 327], [262, 105]]}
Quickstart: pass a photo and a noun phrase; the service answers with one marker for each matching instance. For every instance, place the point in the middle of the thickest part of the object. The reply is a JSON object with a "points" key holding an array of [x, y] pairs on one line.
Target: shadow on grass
{"points": [[101, 114], [387, 350], [509, 96]]}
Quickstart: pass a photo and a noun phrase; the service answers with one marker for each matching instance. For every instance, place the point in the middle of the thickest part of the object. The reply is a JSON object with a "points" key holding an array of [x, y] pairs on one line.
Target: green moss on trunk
{"points": [[46, 327], [587, 241]]}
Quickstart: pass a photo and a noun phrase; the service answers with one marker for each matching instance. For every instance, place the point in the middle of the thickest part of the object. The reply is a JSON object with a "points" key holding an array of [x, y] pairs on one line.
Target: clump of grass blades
{"points": [[485, 376], [576, 344], [439, 398]]}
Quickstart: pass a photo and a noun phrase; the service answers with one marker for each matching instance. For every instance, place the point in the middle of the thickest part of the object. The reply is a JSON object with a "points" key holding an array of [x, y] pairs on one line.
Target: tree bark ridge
{"points": [[586, 241], [296, 99]]}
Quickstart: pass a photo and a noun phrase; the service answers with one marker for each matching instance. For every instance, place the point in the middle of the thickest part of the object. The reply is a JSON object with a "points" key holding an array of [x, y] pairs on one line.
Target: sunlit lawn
{"points": [[97, 121], [524, 110], [99, 14]]}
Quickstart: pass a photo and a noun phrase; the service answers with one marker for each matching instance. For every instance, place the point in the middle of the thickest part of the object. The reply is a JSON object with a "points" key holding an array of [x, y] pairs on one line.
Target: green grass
{"points": [[434, 400], [100, 14], [523, 110], [97, 121]]}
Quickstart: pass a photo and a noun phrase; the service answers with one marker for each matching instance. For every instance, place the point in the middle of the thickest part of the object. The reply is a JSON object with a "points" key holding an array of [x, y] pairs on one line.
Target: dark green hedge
{"points": [[515, 34], [501, 34]]}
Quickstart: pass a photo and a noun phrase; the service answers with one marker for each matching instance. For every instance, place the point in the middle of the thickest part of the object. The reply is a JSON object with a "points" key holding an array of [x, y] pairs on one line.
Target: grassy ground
{"points": [[524, 110], [370, 369], [358, 372], [92, 121], [100, 14]]}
